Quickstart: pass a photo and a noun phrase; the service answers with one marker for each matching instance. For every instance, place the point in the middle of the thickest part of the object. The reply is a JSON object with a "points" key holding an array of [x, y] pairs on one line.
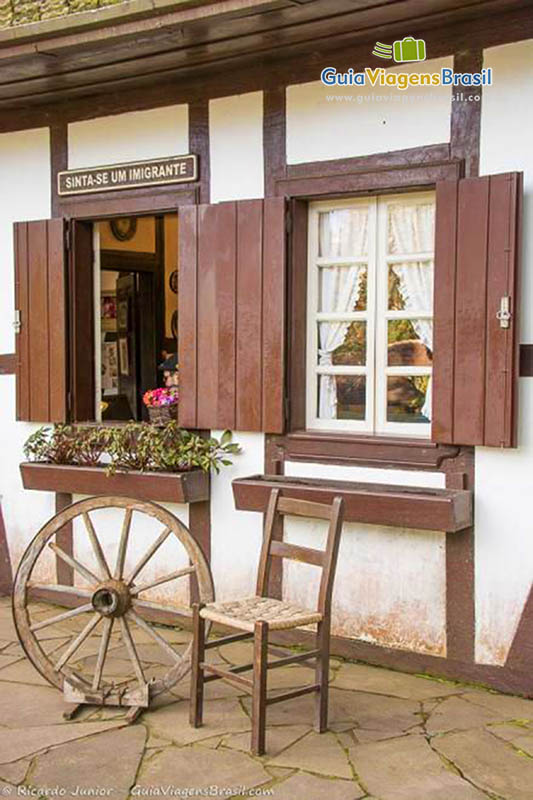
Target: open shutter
{"points": [[232, 315], [477, 254], [40, 299]]}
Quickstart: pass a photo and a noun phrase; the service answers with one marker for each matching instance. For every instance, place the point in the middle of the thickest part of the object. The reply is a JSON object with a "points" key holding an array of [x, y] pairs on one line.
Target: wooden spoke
{"points": [[98, 552], [87, 574], [130, 647], [164, 579], [78, 640], [57, 587], [37, 626], [123, 545], [104, 644], [154, 634], [148, 555]]}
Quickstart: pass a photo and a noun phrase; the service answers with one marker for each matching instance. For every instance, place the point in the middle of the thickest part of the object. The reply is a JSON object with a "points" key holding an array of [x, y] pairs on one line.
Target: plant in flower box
{"points": [[162, 404]]}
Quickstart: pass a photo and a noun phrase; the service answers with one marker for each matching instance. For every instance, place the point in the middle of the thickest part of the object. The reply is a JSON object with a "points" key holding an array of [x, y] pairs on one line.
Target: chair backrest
{"points": [[278, 507]]}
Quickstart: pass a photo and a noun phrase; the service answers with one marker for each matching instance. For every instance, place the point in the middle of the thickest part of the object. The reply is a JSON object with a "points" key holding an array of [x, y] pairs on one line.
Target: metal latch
{"points": [[17, 324], [504, 314]]}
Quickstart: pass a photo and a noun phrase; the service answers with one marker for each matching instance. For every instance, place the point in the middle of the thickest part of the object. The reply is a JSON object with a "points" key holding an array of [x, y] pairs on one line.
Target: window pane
{"points": [[406, 398], [411, 286], [411, 227], [410, 343], [342, 289], [352, 348], [341, 397], [343, 233]]}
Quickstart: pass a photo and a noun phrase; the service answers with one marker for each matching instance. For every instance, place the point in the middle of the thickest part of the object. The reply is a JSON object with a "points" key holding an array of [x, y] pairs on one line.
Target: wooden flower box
{"points": [[169, 487], [447, 510]]}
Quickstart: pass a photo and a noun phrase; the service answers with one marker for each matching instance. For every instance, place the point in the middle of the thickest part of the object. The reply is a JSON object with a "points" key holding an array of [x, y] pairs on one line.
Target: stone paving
{"points": [[392, 737]]}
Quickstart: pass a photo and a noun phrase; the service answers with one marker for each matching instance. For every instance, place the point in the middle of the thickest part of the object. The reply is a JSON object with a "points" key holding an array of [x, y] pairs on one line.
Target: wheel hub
{"points": [[111, 599]]}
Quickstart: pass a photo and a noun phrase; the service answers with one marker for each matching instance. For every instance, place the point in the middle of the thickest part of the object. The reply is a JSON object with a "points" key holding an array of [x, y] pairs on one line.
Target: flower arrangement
{"points": [[137, 446], [160, 398]]}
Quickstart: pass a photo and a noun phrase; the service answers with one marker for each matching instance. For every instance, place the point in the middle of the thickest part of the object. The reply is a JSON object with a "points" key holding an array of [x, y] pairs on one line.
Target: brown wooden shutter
{"points": [[477, 254], [232, 315], [40, 298]]}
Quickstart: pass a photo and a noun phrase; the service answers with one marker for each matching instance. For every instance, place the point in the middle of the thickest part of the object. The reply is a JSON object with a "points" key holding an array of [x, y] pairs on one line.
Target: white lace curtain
{"points": [[412, 230], [343, 233]]}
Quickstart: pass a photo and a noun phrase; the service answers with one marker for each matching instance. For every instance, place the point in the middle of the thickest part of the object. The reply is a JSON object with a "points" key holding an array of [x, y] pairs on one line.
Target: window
{"points": [[136, 316], [370, 314]]}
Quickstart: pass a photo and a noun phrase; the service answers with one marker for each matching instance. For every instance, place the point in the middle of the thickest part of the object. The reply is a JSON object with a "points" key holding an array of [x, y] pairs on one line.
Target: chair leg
{"points": [[322, 676], [196, 700], [259, 687]]}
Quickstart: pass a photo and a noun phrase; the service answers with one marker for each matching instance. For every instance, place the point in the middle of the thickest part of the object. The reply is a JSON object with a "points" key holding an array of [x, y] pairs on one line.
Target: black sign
{"points": [[178, 169]]}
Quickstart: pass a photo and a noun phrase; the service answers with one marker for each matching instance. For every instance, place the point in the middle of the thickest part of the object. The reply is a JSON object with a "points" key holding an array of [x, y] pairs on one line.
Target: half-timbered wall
{"points": [[503, 511], [391, 587]]}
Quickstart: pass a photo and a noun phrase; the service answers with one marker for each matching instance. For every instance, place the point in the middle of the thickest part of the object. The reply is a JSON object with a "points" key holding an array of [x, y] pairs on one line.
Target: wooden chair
{"points": [[259, 614]]}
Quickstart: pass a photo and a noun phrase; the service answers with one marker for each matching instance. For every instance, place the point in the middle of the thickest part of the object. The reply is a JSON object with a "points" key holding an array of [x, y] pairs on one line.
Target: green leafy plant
{"points": [[136, 446]]}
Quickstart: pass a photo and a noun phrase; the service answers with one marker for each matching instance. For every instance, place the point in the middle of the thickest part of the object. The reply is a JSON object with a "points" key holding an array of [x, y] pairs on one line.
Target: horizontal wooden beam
{"points": [[8, 363]]}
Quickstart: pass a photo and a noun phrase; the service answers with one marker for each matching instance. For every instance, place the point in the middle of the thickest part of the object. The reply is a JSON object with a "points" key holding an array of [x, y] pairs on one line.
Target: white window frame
{"points": [[376, 316]]}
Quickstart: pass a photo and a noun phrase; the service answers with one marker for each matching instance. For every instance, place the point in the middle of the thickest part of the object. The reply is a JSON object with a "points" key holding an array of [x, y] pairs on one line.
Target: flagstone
{"points": [[201, 768], [455, 714], [506, 705], [28, 706], [408, 769], [15, 772], [301, 786], [23, 672], [316, 752], [489, 763], [278, 738], [220, 716], [519, 736], [108, 761], [364, 678], [18, 743]]}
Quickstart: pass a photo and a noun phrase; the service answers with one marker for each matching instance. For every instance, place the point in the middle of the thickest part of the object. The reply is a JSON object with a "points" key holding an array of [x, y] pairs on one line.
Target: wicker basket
{"points": [[162, 415]]}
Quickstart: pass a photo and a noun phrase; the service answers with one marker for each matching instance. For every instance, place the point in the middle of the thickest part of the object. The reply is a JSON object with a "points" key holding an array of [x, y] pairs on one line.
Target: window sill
{"points": [[170, 487], [363, 449], [431, 509]]}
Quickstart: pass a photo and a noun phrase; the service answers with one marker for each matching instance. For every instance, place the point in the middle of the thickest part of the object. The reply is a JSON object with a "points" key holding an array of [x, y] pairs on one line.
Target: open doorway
{"points": [[136, 312]]}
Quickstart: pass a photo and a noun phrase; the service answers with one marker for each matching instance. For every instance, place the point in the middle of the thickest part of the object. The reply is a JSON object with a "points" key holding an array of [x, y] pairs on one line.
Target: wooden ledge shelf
{"points": [[447, 510], [169, 487]]}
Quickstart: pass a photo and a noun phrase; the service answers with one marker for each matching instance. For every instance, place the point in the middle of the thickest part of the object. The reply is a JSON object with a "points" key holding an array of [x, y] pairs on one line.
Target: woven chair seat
{"points": [[243, 614]]}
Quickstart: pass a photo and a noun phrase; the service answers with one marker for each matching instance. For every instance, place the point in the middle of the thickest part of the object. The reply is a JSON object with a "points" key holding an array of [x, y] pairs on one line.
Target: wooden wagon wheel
{"points": [[111, 597]]}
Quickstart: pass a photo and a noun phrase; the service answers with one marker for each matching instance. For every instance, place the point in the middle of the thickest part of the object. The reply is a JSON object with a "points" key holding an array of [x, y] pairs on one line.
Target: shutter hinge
{"points": [[67, 236], [504, 314], [17, 323]]}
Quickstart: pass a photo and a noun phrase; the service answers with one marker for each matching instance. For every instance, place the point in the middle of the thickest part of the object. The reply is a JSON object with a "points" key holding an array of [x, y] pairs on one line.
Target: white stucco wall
{"points": [[360, 120], [504, 479], [25, 195], [236, 147], [133, 136], [390, 584]]}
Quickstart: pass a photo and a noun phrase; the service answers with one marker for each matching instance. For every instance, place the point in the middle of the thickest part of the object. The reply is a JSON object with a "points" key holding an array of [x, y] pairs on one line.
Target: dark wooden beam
{"points": [[8, 363], [58, 159], [199, 144], [274, 138], [6, 573], [526, 360], [466, 114]]}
